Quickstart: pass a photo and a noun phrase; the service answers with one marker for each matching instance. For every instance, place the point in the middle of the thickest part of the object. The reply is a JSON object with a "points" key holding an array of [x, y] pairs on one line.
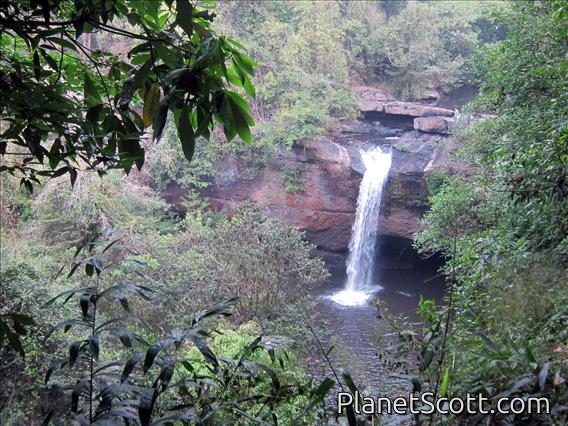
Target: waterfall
{"points": [[361, 259]]}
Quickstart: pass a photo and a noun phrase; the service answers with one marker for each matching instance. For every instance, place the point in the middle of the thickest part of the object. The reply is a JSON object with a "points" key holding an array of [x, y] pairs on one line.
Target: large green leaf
{"points": [[151, 103], [184, 16], [92, 95], [186, 134], [235, 117], [318, 396]]}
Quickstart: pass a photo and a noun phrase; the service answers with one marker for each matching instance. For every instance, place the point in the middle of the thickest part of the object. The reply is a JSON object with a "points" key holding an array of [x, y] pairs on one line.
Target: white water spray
{"points": [[360, 262]]}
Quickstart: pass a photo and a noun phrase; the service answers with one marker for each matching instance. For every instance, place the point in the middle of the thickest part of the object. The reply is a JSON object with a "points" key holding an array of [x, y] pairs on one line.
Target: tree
{"points": [[302, 83], [427, 44], [176, 377], [509, 220], [70, 104]]}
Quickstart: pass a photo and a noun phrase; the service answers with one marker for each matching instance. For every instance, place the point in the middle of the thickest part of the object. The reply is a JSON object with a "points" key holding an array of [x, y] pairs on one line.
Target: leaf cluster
{"points": [[160, 381], [68, 104]]}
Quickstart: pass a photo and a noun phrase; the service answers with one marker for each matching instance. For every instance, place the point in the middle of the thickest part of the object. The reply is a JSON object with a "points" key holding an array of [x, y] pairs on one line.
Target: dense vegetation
{"points": [[167, 318], [504, 228], [80, 84]]}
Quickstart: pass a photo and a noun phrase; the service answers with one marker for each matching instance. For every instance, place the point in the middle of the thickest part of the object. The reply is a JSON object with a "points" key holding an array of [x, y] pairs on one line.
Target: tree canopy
{"points": [[69, 104]]}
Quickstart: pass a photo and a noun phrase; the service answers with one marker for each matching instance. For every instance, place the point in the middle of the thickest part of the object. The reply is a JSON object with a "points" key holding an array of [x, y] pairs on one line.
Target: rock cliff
{"points": [[328, 171]]}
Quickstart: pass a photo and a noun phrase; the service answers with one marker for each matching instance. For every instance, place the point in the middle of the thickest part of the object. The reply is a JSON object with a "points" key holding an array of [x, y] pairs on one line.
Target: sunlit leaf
{"points": [[151, 103]]}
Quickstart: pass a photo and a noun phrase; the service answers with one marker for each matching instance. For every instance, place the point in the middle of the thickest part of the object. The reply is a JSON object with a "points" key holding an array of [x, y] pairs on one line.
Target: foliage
{"points": [[189, 266], [270, 276], [504, 228], [427, 43], [301, 85], [363, 22], [71, 217], [16, 279], [293, 178], [232, 344], [435, 179], [24, 278], [422, 45], [68, 104], [166, 163], [195, 386], [94, 75], [14, 204]]}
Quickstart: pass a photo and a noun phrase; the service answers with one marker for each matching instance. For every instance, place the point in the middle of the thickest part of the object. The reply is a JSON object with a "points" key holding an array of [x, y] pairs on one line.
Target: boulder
{"points": [[372, 98], [432, 124], [370, 105]]}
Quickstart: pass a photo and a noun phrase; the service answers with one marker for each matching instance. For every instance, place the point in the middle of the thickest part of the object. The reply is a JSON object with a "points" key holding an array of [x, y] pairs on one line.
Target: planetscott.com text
{"points": [[425, 404]]}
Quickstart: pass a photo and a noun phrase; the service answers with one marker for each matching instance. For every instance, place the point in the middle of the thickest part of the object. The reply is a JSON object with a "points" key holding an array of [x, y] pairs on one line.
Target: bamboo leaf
{"points": [[92, 96], [94, 347], [74, 350], [221, 309], [318, 396], [350, 383], [129, 366], [150, 356], [141, 75], [37, 65], [184, 16], [204, 349], [166, 374], [159, 120], [146, 406], [55, 365], [80, 388], [22, 319], [445, 383], [84, 301]]}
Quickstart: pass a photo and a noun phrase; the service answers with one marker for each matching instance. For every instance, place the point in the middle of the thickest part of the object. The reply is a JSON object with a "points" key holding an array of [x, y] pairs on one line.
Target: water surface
{"points": [[358, 332]]}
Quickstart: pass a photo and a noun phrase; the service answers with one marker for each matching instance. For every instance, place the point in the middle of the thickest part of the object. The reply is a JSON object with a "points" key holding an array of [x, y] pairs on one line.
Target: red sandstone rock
{"points": [[333, 172]]}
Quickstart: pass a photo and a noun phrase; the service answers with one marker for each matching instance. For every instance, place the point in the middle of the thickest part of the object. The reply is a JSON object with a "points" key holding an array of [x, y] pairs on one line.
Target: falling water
{"points": [[360, 262]]}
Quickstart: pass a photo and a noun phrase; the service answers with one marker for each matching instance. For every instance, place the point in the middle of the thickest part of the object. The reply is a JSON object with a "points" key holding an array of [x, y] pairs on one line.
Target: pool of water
{"points": [[360, 333]]}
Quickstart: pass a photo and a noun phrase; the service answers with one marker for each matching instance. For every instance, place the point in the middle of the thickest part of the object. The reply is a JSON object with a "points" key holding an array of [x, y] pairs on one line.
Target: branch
{"points": [[320, 346], [9, 23], [125, 33], [102, 79], [60, 66]]}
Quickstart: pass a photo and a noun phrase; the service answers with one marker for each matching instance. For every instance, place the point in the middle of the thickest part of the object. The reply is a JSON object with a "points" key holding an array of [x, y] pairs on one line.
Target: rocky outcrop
{"points": [[410, 109], [332, 171], [416, 110], [423, 116], [329, 170]]}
